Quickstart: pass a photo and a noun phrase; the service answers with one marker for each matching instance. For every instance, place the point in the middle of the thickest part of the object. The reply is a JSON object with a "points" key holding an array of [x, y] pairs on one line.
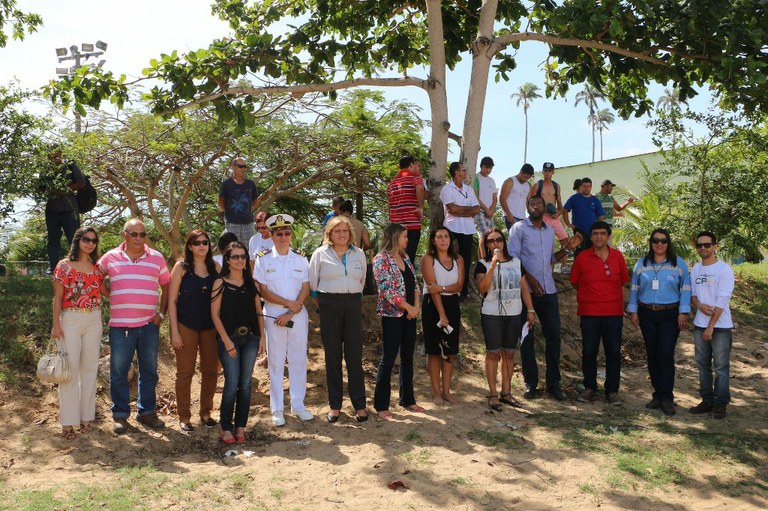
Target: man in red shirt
{"points": [[405, 195], [599, 274]]}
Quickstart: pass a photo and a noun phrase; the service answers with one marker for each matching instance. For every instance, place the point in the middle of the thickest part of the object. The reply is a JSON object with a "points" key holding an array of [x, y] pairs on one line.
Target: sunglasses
{"points": [[494, 240], [240, 165], [236, 257], [660, 241], [704, 245], [136, 234], [92, 241], [197, 243], [282, 234], [607, 269]]}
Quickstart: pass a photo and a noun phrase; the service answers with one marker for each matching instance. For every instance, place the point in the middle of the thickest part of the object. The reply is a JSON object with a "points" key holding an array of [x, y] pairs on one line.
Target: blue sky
{"points": [[142, 30]]}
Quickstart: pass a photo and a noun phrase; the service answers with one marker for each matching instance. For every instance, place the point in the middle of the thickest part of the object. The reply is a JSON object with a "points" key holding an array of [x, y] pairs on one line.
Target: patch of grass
{"points": [[501, 438], [240, 483], [458, 481], [654, 466], [617, 481], [277, 493], [750, 296], [414, 437], [588, 488], [30, 500], [417, 457]]}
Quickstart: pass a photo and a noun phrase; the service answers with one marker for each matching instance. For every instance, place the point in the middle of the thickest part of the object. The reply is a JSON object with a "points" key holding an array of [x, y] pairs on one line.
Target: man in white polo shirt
{"points": [[461, 206], [135, 273]]}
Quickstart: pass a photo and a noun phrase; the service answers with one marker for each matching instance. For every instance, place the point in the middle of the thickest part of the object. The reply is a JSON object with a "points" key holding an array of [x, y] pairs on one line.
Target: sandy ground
{"points": [[443, 456]]}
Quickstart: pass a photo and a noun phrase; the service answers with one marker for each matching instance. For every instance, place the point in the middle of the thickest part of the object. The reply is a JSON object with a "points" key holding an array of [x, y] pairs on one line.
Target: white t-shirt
{"points": [[713, 285], [486, 187], [517, 198], [256, 244], [464, 196], [504, 297]]}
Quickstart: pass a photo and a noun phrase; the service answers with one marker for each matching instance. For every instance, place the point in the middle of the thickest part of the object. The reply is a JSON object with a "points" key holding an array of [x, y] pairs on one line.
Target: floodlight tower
{"points": [[79, 55]]}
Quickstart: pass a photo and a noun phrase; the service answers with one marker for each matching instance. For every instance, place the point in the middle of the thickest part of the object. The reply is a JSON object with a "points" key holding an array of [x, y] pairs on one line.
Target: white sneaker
{"points": [[304, 415], [278, 419]]}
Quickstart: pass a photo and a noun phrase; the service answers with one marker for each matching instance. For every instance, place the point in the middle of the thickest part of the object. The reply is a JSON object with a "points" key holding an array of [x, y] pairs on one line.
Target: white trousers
{"points": [[82, 340], [287, 344]]}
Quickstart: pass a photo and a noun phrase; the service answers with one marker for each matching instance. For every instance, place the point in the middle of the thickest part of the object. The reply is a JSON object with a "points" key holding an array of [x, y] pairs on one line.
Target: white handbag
{"points": [[53, 366]]}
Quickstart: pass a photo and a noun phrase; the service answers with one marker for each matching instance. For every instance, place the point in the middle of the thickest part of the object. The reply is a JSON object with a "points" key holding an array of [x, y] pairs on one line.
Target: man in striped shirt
{"points": [[405, 195], [135, 273]]}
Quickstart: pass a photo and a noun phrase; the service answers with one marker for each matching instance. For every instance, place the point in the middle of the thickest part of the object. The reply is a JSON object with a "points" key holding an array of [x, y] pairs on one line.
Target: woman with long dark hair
{"points": [[336, 278], [443, 272], [236, 313], [398, 306], [77, 280], [192, 330], [500, 279], [659, 304]]}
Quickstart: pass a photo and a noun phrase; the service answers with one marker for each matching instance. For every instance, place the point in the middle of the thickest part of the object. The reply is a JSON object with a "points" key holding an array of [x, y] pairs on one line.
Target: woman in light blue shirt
{"points": [[659, 303]]}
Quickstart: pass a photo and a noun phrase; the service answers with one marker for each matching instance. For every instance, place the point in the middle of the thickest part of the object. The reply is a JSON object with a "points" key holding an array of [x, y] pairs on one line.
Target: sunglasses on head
{"points": [[92, 241], [197, 243], [236, 257], [132, 234], [660, 241]]}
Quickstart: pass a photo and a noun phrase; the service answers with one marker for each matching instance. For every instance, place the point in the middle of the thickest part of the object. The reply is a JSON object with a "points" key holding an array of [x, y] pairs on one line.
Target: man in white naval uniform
{"points": [[281, 274]]}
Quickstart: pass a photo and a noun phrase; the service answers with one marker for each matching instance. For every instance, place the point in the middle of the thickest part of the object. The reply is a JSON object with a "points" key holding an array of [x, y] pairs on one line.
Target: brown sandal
{"points": [[85, 427], [68, 433]]}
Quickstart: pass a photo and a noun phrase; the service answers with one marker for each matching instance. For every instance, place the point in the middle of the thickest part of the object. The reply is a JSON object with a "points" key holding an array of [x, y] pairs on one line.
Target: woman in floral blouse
{"points": [[398, 306], [77, 280]]}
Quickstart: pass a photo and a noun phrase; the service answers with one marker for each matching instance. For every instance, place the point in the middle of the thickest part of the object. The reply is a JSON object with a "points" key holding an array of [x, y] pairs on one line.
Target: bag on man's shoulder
{"points": [[86, 196]]}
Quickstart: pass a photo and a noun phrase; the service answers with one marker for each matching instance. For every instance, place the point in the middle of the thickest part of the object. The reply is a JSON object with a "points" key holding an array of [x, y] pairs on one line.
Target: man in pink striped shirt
{"points": [[135, 273]]}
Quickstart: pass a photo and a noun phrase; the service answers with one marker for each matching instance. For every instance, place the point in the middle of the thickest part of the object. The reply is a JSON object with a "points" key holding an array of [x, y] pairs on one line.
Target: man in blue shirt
{"points": [[238, 197], [532, 241], [586, 211]]}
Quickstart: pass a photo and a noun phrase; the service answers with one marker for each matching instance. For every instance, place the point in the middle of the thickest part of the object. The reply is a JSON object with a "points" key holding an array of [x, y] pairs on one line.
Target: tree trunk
{"points": [[525, 146], [601, 144], [438, 106], [483, 50], [593, 142]]}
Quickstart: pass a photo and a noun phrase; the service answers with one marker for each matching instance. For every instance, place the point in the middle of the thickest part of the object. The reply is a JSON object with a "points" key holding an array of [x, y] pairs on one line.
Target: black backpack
{"points": [[86, 196]]}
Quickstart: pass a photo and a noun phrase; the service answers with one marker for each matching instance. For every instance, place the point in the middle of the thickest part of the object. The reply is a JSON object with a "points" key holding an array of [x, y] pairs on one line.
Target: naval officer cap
{"points": [[280, 220]]}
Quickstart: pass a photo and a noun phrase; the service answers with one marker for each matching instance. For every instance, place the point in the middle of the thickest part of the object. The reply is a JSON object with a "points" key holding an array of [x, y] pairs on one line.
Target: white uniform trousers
{"points": [[291, 344]]}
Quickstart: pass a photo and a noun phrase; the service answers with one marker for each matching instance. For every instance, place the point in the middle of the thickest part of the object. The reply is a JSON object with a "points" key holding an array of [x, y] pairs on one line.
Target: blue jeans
{"points": [[607, 328], [238, 370], [55, 222], [717, 353], [398, 334], [660, 333], [123, 343], [548, 310]]}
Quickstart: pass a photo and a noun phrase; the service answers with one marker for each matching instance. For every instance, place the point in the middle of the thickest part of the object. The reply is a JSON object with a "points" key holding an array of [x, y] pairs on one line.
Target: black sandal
{"points": [[495, 407], [508, 400]]}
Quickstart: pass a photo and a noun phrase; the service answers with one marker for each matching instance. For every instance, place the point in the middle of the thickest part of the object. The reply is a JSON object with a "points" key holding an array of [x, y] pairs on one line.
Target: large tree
{"points": [[618, 47]]}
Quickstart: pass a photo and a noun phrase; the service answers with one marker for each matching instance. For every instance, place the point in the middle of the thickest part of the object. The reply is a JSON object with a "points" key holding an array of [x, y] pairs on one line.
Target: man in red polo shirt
{"points": [[405, 195], [599, 274]]}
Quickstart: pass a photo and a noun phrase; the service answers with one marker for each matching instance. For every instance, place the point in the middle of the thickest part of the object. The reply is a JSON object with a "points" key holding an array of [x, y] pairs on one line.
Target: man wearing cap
{"points": [[405, 196], [609, 202], [282, 276], [237, 199], [485, 189], [514, 194]]}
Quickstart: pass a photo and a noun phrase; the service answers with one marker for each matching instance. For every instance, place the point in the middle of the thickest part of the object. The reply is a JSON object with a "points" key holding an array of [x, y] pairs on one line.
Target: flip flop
{"points": [[85, 427], [384, 415], [416, 408], [68, 434]]}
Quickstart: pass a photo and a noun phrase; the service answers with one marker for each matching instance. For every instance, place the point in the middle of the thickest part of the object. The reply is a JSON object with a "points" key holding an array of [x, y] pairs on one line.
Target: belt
{"points": [[660, 307], [242, 330], [81, 309]]}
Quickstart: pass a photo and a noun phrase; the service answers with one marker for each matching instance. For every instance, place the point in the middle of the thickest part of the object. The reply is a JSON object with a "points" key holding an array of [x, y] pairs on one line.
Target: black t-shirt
{"points": [[238, 201]]}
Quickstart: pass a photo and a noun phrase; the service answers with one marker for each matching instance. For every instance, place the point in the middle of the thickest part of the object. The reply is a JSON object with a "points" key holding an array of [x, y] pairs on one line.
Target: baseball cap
{"points": [[608, 182], [548, 165]]}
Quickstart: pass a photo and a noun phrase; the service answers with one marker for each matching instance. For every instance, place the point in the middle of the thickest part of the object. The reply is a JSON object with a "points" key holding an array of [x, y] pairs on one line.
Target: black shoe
{"points": [[557, 393], [718, 412], [612, 398], [653, 404], [509, 400], [186, 427], [332, 418], [209, 422], [530, 392], [668, 407], [496, 407], [151, 421], [361, 418], [120, 427], [701, 408]]}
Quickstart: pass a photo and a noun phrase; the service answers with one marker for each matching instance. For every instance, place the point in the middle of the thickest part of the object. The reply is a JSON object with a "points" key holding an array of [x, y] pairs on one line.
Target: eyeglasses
{"points": [[240, 165], [136, 234], [92, 241], [282, 234], [704, 245], [494, 240], [607, 269], [660, 241], [235, 257], [197, 243]]}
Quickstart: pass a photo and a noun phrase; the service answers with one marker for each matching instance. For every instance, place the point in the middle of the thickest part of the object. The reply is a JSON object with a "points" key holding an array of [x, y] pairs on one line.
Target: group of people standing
{"points": [[253, 300]]}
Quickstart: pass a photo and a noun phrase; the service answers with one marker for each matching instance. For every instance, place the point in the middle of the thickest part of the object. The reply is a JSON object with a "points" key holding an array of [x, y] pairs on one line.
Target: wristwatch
{"points": [[162, 316]]}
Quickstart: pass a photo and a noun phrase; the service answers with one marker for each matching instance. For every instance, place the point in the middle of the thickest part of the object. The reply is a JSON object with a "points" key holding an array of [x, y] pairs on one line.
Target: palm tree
{"points": [[525, 94], [589, 97], [602, 120], [670, 102]]}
